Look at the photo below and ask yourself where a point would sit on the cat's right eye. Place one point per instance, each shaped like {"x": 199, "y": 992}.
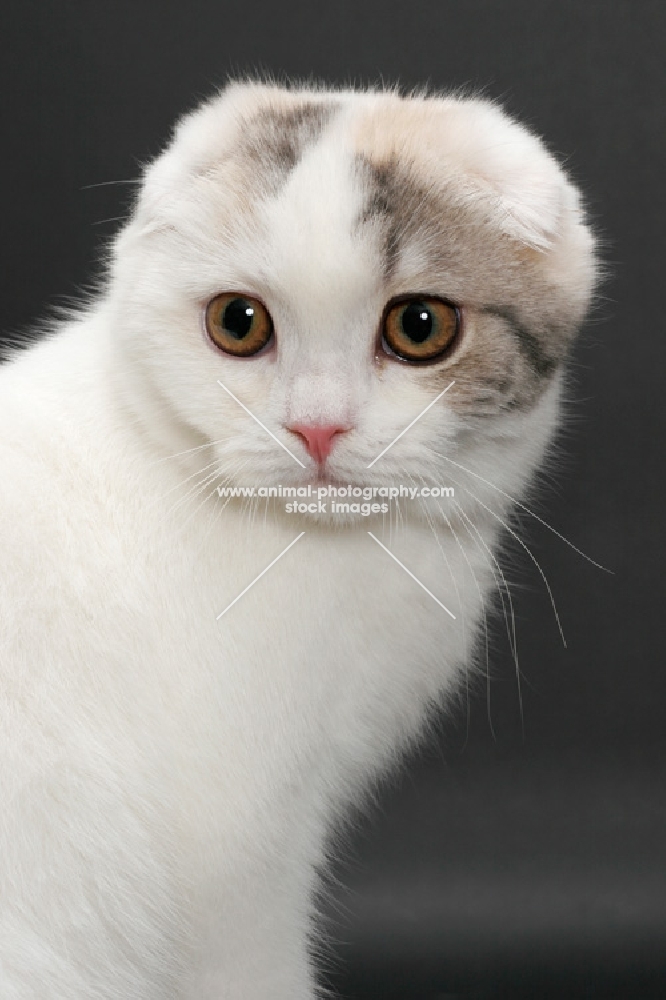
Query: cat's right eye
{"x": 238, "y": 324}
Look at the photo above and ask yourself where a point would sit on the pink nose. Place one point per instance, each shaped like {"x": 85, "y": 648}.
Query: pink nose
{"x": 318, "y": 438}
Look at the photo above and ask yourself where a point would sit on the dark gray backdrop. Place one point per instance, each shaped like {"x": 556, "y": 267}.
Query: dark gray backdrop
{"x": 502, "y": 862}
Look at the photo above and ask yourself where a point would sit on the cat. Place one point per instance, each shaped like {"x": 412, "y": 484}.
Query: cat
{"x": 315, "y": 288}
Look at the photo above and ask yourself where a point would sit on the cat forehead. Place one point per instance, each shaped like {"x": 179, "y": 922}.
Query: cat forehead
{"x": 270, "y": 128}
{"x": 401, "y": 151}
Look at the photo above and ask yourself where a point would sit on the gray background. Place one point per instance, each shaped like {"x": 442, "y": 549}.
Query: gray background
{"x": 504, "y": 861}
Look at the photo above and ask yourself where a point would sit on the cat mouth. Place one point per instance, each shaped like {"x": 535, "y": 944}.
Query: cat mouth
{"x": 324, "y": 477}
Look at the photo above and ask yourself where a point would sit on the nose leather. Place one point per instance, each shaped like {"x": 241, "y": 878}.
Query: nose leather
{"x": 318, "y": 438}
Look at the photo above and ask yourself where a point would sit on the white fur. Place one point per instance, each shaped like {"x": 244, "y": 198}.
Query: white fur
{"x": 168, "y": 780}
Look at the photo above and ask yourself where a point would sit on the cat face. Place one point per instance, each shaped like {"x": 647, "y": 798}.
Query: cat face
{"x": 336, "y": 261}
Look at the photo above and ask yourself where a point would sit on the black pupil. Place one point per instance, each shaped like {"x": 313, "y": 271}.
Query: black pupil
{"x": 417, "y": 322}
{"x": 238, "y": 318}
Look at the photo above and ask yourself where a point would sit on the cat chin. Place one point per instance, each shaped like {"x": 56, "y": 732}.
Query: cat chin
{"x": 329, "y": 522}
{"x": 342, "y": 513}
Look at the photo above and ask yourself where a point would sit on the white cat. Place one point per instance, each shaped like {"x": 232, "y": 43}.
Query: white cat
{"x": 172, "y": 758}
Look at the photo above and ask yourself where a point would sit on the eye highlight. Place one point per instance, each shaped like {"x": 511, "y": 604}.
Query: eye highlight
{"x": 238, "y": 324}
{"x": 420, "y": 328}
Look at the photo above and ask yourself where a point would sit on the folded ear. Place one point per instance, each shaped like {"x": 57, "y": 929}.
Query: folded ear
{"x": 199, "y": 139}
{"x": 532, "y": 204}
{"x": 513, "y": 173}
{"x": 208, "y": 137}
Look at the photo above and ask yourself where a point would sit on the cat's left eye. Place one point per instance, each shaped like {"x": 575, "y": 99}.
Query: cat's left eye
{"x": 238, "y": 324}
{"x": 420, "y": 329}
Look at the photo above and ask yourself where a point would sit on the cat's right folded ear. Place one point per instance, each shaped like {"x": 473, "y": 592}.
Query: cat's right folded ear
{"x": 201, "y": 139}
{"x": 198, "y": 138}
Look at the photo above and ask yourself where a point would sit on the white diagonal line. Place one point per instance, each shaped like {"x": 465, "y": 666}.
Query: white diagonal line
{"x": 408, "y": 426}
{"x": 259, "y": 577}
{"x": 409, "y": 573}
{"x": 263, "y": 426}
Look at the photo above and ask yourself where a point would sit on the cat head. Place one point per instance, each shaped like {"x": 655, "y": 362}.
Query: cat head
{"x": 336, "y": 260}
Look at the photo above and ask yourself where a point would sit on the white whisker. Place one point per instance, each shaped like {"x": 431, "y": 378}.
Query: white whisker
{"x": 527, "y": 549}
{"x": 485, "y": 616}
{"x": 500, "y": 581}
{"x": 100, "y": 184}
{"x": 524, "y": 507}
{"x": 461, "y": 609}
{"x": 512, "y": 632}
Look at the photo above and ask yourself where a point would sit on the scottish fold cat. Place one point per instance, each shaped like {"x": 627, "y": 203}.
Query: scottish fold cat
{"x": 350, "y": 291}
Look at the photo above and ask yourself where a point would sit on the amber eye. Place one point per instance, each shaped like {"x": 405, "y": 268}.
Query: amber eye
{"x": 420, "y": 329}
{"x": 238, "y": 324}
